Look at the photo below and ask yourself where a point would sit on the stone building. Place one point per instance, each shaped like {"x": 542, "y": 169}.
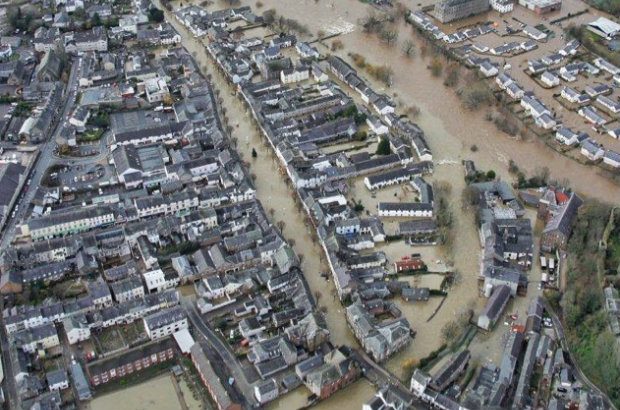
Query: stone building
{"x": 450, "y": 10}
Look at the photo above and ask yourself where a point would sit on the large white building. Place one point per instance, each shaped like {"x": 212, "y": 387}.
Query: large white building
{"x": 156, "y": 90}
{"x": 95, "y": 39}
{"x": 165, "y": 322}
{"x": 156, "y": 281}
{"x": 612, "y": 158}
{"x": 604, "y": 27}
{"x": 541, "y": 6}
{"x": 77, "y": 330}
{"x": 294, "y": 75}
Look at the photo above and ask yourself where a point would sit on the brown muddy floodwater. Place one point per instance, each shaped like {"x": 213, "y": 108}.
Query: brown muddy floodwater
{"x": 450, "y": 130}
{"x": 157, "y": 393}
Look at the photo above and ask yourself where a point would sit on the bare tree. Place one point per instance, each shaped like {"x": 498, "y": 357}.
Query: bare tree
{"x": 389, "y": 36}
{"x": 281, "y": 225}
{"x": 450, "y": 331}
{"x": 372, "y": 23}
{"x": 408, "y": 48}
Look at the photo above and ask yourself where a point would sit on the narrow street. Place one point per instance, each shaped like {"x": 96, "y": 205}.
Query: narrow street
{"x": 46, "y": 157}
{"x": 228, "y": 358}
{"x": 43, "y": 162}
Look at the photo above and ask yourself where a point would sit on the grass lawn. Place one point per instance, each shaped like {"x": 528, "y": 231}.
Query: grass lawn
{"x": 91, "y": 135}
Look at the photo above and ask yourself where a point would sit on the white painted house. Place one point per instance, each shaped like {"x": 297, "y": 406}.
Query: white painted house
{"x": 550, "y": 79}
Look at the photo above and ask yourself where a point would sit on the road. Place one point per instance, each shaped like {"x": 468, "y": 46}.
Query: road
{"x": 380, "y": 377}
{"x": 9, "y": 385}
{"x": 222, "y": 349}
{"x": 46, "y": 157}
{"x": 559, "y": 329}
{"x": 67, "y": 357}
{"x": 42, "y": 163}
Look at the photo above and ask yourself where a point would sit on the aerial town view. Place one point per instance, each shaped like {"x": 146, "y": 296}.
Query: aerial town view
{"x": 293, "y": 204}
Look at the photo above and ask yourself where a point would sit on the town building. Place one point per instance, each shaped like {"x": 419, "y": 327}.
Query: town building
{"x": 57, "y": 380}
{"x": 211, "y": 381}
{"x": 541, "y": 6}
{"x": 337, "y": 371}
{"x": 407, "y": 264}
{"x": 494, "y": 308}
{"x": 164, "y": 323}
{"x": 559, "y": 227}
{"x": 41, "y": 337}
{"x": 266, "y": 391}
{"x": 405, "y": 209}
{"x": 502, "y": 6}
{"x": 132, "y": 361}
{"x": 61, "y": 224}
{"x": 77, "y": 328}
{"x": 451, "y": 10}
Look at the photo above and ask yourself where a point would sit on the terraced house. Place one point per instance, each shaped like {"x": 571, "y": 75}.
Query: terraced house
{"x": 66, "y": 223}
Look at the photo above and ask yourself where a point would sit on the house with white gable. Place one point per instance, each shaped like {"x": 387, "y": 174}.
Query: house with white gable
{"x": 612, "y": 158}
{"x": 566, "y": 136}
{"x": 592, "y": 150}
{"x": 550, "y": 79}
{"x": 614, "y": 133}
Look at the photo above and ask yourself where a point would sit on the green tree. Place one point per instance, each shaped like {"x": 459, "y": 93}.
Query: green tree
{"x": 254, "y": 153}
{"x": 490, "y": 175}
{"x": 96, "y": 20}
{"x": 361, "y": 135}
{"x": 156, "y": 15}
{"x": 269, "y": 16}
{"x": 17, "y": 19}
{"x": 384, "y": 147}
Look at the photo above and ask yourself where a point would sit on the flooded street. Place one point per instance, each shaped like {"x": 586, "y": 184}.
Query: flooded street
{"x": 351, "y": 398}
{"x": 274, "y": 193}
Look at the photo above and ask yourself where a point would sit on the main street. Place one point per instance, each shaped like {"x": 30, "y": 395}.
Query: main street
{"x": 43, "y": 161}
{"x": 217, "y": 345}
{"x": 46, "y": 156}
